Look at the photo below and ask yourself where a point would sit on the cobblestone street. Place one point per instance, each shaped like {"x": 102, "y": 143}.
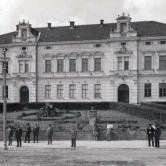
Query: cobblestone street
{"x": 87, "y": 153}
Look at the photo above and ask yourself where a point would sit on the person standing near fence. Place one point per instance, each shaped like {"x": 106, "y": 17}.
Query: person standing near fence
{"x": 73, "y": 137}
{"x": 28, "y": 133}
{"x": 18, "y": 135}
{"x": 36, "y": 133}
{"x": 10, "y": 135}
{"x": 150, "y": 134}
{"x": 157, "y": 136}
{"x": 49, "y": 134}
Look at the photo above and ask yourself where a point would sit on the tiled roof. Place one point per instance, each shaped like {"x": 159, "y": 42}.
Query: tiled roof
{"x": 90, "y": 32}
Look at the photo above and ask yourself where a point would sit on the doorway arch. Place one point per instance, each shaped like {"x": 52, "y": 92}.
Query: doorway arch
{"x": 24, "y": 94}
{"x": 123, "y": 93}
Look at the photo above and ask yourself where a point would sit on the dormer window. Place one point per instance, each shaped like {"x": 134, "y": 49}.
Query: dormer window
{"x": 163, "y": 42}
{"x": 148, "y": 43}
{"x": 24, "y": 48}
{"x": 123, "y": 44}
{"x": 98, "y": 45}
{"x": 24, "y": 34}
{"x": 48, "y": 47}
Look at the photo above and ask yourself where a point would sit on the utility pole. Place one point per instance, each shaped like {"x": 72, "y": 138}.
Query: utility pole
{"x": 4, "y": 50}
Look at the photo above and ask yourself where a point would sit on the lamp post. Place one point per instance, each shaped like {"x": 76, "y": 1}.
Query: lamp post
{"x": 4, "y": 50}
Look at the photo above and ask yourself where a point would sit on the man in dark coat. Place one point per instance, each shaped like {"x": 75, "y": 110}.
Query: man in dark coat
{"x": 28, "y": 133}
{"x": 36, "y": 133}
{"x": 10, "y": 135}
{"x": 18, "y": 135}
{"x": 157, "y": 136}
{"x": 150, "y": 134}
{"x": 49, "y": 134}
{"x": 73, "y": 137}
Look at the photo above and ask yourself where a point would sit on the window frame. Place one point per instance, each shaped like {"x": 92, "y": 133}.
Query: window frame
{"x": 147, "y": 90}
{"x": 72, "y": 65}
{"x": 162, "y": 89}
{"x": 97, "y": 91}
{"x": 97, "y": 64}
{"x": 59, "y": 91}
{"x": 84, "y": 91}
{"x": 72, "y": 91}
{"x": 47, "y": 91}
{"x": 48, "y": 66}
{"x": 60, "y": 66}
{"x": 148, "y": 63}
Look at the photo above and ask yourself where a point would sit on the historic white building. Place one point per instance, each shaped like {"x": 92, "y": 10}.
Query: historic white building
{"x": 123, "y": 61}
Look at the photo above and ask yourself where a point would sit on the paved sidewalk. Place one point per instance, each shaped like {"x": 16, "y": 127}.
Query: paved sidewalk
{"x": 88, "y": 144}
{"x": 87, "y": 153}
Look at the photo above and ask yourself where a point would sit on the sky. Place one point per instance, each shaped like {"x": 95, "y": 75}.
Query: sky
{"x": 60, "y": 12}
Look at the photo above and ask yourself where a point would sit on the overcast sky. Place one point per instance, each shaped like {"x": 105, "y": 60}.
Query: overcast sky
{"x": 60, "y": 12}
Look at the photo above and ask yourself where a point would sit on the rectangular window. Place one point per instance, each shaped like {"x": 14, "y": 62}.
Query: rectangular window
{"x": 60, "y": 91}
{"x": 148, "y": 62}
{"x": 162, "y": 89}
{"x": 60, "y": 64}
{"x": 147, "y": 90}
{"x": 72, "y": 65}
{"x": 26, "y": 67}
{"x": 126, "y": 63}
{"x": 47, "y": 91}
{"x": 84, "y": 91}
{"x": 162, "y": 62}
{"x": 97, "y": 65}
{"x": 5, "y": 66}
{"x": 72, "y": 90}
{"x": 47, "y": 66}
{"x": 85, "y": 65}
{"x": 120, "y": 67}
{"x": 3, "y": 91}
{"x": 21, "y": 67}
{"x": 97, "y": 90}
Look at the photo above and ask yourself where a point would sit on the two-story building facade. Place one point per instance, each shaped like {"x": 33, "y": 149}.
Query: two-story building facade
{"x": 117, "y": 62}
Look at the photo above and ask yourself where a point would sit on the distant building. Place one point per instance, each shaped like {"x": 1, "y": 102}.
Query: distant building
{"x": 123, "y": 61}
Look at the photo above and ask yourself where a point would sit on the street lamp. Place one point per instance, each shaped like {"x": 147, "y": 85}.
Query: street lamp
{"x": 4, "y": 50}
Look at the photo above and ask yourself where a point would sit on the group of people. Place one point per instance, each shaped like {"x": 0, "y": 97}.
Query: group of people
{"x": 154, "y": 133}
{"x": 49, "y": 132}
{"x": 19, "y": 133}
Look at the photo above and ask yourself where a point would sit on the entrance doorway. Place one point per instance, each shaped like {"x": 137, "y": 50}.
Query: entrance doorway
{"x": 24, "y": 94}
{"x": 123, "y": 93}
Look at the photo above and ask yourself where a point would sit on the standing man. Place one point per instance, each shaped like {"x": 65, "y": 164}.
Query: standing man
{"x": 10, "y": 135}
{"x": 73, "y": 137}
{"x": 28, "y": 133}
{"x": 49, "y": 134}
{"x": 36, "y": 133}
{"x": 157, "y": 136}
{"x": 150, "y": 134}
{"x": 18, "y": 135}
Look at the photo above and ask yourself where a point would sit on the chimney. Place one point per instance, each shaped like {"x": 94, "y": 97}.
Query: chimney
{"x": 101, "y": 23}
{"x": 72, "y": 26}
{"x": 49, "y": 25}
